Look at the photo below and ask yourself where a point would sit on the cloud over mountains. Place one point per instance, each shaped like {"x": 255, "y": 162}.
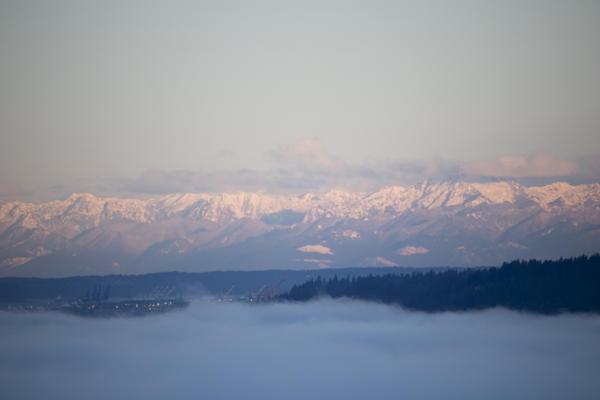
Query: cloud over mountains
{"x": 528, "y": 166}
{"x": 307, "y": 165}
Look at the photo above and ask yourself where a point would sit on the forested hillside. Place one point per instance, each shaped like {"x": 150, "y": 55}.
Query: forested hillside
{"x": 539, "y": 286}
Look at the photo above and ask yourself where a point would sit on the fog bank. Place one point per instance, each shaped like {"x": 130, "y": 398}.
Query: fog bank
{"x": 327, "y": 349}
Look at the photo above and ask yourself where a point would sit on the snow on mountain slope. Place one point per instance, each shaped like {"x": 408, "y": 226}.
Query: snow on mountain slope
{"x": 460, "y": 223}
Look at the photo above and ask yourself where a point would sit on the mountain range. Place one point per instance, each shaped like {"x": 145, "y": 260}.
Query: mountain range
{"x": 429, "y": 224}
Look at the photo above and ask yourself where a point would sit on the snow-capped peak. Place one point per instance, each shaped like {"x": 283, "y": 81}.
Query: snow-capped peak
{"x": 403, "y": 219}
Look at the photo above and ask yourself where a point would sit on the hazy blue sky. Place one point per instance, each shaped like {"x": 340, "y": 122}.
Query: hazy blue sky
{"x": 114, "y": 89}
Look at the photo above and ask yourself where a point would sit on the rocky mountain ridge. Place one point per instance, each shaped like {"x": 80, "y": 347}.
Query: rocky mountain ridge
{"x": 448, "y": 223}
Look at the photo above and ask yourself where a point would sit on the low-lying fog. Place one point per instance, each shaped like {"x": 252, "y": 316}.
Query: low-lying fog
{"x": 327, "y": 349}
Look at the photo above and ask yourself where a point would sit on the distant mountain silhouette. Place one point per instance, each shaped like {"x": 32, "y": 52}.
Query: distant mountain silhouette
{"x": 431, "y": 224}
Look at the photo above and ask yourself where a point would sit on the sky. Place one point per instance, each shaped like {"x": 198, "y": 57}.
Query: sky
{"x": 153, "y": 96}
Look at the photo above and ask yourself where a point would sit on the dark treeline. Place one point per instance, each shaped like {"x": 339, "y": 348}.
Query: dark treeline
{"x": 169, "y": 284}
{"x": 538, "y": 286}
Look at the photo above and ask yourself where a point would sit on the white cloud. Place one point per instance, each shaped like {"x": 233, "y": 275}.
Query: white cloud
{"x": 348, "y": 233}
{"x": 306, "y": 166}
{"x": 385, "y": 262}
{"x": 413, "y": 250}
{"x": 523, "y": 166}
{"x": 315, "y": 248}
{"x": 308, "y": 155}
